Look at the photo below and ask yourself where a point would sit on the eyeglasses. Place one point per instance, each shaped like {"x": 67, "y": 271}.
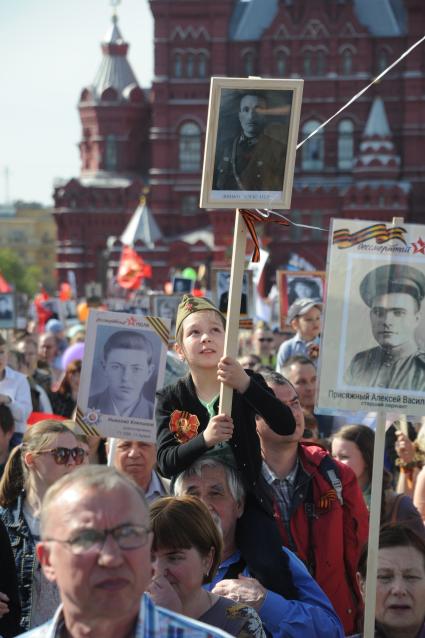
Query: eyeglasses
{"x": 61, "y": 454}
{"x": 265, "y": 339}
{"x": 92, "y": 541}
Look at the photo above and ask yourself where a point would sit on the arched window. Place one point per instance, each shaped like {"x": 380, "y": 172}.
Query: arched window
{"x": 111, "y": 153}
{"x": 320, "y": 63}
{"x": 190, "y": 147}
{"x": 307, "y": 64}
{"x": 190, "y": 65}
{"x": 177, "y": 66}
{"x": 248, "y": 63}
{"x": 347, "y": 62}
{"x": 313, "y": 151}
{"x": 202, "y": 65}
{"x": 345, "y": 144}
{"x": 281, "y": 64}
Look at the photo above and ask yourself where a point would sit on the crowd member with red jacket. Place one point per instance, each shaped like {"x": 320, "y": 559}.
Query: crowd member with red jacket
{"x": 318, "y": 504}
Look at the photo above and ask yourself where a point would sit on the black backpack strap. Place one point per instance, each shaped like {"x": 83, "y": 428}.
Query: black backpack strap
{"x": 330, "y": 471}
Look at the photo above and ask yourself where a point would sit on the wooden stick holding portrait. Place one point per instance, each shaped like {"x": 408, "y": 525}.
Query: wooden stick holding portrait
{"x": 249, "y": 162}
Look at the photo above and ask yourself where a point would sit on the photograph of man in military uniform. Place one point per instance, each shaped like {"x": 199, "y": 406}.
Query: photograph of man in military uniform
{"x": 394, "y": 295}
{"x": 252, "y": 140}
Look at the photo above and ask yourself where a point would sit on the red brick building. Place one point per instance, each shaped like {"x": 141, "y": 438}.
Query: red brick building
{"x": 366, "y": 163}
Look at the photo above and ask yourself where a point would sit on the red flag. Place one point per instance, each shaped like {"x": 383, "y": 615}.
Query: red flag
{"x": 147, "y": 271}
{"x": 43, "y": 313}
{"x": 65, "y": 291}
{"x": 4, "y": 286}
{"x": 131, "y": 269}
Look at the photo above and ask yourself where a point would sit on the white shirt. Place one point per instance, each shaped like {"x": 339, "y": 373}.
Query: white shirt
{"x": 15, "y": 385}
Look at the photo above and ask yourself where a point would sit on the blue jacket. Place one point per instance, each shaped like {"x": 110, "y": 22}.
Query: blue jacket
{"x": 311, "y": 616}
{"x": 23, "y": 547}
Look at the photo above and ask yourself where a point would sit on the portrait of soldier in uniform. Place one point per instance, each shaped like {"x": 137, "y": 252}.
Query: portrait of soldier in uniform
{"x": 394, "y": 294}
{"x": 252, "y": 158}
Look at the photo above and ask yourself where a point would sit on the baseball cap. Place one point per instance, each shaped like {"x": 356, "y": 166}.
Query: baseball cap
{"x": 55, "y": 326}
{"x": 301, "y": 306}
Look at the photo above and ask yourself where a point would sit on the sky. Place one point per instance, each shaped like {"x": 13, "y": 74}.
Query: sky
{"x": 50, "y": 50}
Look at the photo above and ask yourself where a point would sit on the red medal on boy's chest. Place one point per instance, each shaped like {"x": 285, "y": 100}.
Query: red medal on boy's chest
{"x": 184, "y": 425}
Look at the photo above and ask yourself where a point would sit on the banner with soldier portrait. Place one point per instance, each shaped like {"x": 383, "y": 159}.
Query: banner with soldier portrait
{"x": 372, "y": 353}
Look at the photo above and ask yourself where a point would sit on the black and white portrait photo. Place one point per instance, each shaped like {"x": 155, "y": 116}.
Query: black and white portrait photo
{"x": 372, "y": 352}
{"x": 165, "y": 306}
{"x": 251, "y": 148}
{"x": 182, "y": 285}
{"x": 7, "y": 310}
{"x": 221, "y": 286}
{"x": 123, "y": 367}
{"x": 250, "y": 139}
{"x": 298, "y": 284}
{"x": 393, "y": 295}
{"x": 304, "y": 287}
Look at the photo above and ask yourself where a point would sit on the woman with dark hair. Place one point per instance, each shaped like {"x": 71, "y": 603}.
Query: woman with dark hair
{"x": 400, "y": 590}
{"x": 353, "y": 445}
{"x": 64, "y": 399}
{"x": 48, "y": 451}
{"x": 187, "y": 548}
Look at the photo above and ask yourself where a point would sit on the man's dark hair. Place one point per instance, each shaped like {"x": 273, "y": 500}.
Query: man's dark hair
{"x": 128, "y": 340}
{"x": 394, "y": 536}
{"x": 298, "y": 358}
{"x": 273, "y": 377}
{"x": 7, "y": 422}
{"x": 261, "y": 96}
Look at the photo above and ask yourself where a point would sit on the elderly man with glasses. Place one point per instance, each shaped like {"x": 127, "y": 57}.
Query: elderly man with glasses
{"x": 96, "y": 546}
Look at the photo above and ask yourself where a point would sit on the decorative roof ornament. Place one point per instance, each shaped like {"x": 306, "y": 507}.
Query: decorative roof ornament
{"x": 377, "y": 157}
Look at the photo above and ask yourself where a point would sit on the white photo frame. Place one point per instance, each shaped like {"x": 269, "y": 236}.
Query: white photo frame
{"x": 372, "y": 353}
{"x": 123, "y": 367}
{"x": 241, "y": 173}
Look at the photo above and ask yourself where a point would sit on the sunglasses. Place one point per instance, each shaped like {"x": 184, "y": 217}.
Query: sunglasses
{"x": 61, "y": 455}
{"x": 266, "y": 339}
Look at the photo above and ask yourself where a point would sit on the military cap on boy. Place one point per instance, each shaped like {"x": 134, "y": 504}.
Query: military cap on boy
{"x": 301, "y": 306}
{"x": 189, "y": 305}
{"x": 393, "y": 278}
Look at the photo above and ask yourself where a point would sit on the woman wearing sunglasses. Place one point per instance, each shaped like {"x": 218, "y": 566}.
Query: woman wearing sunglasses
{"x": 48, "y": 451}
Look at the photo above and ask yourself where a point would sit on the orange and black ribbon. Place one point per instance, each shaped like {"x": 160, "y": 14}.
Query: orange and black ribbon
{"x": 381, "y": 233}
{"x": 252, "y": 216}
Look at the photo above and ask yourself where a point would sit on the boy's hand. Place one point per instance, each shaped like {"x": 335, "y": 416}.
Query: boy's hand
{"x": 230, "y": 372}
{"x": 219, "y": 429}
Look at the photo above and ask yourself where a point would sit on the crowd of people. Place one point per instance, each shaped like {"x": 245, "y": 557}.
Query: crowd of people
{"x": 253, "y": 523}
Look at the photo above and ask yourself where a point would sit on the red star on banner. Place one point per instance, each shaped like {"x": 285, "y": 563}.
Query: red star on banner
{"x": 418, "y": 247}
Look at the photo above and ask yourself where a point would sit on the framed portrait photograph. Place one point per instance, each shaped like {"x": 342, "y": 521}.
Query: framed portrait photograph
{"x": 220, "y": 285}
{"x": 7, "y": 310}
{"x": 250, "y": 146}
{"x": 298, "y": 284}
{"x": 372, "y": 354}
{"x": 123, "y": 367}
{"x": 165, "y": 306}
{"x": 182, "y": 285}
